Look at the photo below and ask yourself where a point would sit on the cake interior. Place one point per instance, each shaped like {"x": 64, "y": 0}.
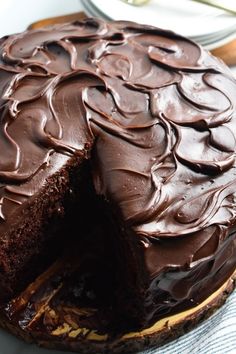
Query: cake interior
{"x": 77, "y": 235}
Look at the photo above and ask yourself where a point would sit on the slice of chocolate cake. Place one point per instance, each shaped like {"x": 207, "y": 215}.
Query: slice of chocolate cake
{"x": 118, "y": 163}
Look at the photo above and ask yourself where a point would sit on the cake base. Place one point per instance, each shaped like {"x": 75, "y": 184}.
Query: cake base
{"x": 37, "y": 318}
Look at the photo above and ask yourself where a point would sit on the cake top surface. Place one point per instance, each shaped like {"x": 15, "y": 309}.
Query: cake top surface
{"x": 157, "y": 109}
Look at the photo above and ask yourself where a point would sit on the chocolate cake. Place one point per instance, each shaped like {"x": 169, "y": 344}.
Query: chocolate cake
{"x": 117, "y": 182}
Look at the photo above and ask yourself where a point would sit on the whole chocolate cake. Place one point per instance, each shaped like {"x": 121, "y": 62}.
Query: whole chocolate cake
{"x": 117, "y": 182}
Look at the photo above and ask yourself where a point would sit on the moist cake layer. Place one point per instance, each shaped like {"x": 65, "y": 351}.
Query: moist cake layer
{"x": 155, "y": 115}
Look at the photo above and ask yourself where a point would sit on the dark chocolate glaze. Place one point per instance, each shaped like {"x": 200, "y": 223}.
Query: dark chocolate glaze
{"x": 159, "y": 112}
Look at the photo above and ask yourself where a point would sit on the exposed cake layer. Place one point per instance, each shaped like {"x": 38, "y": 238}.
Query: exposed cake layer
{"x": 157, "y": 115}
{"x": 34, "y": 238}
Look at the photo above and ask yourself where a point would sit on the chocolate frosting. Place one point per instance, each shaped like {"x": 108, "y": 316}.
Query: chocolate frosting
{"x": 159, "y": 114}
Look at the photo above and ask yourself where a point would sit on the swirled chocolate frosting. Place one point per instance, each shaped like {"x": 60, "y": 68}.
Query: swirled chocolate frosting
{"x": 157, "y": 115}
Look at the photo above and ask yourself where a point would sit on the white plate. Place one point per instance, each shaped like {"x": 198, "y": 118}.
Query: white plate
{"x": 188, "y": 18}
{"x": 210, "y": 40}
{"x": 220, "y": 42}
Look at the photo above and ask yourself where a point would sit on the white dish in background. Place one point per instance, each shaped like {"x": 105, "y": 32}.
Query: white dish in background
{"x": 190, "y": 19}
{"x": 206, "y": 25}
{"x": 219, "y": 42}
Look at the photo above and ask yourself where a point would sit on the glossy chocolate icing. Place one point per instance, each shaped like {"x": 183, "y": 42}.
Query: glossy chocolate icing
{"x": 159, "y": 114}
